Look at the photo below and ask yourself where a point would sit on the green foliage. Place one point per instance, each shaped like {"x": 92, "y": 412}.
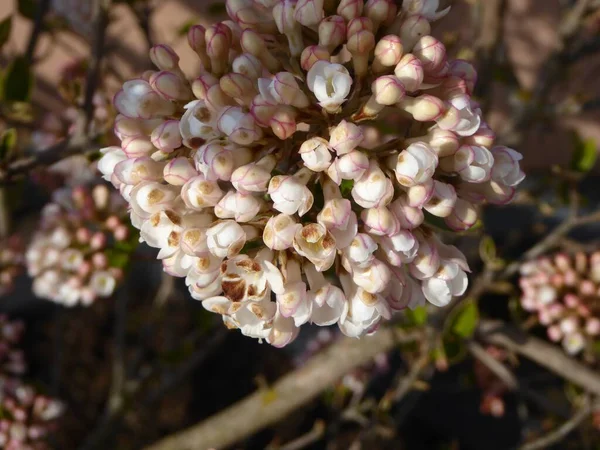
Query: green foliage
{"x": 8, "y": 143}
{"x": 18, "y": 81}
{"x": 5, "y": 28}
{"x": 417, "y": 316}
{"x": 346, "y": 187}
{"x": 585, "y": 154}
{"x": 464, "y": 319}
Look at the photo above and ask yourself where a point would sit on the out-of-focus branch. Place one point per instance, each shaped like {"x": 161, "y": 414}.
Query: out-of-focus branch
{"x": 542, "y": 353}
{"x": 562, "y": 431}
{"x": 38, "y": 26}
{"x": 297, "y": 388}
{"x": 495, "y": 366}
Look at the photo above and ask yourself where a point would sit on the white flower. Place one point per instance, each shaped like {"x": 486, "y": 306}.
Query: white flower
{"x": 199, "y": 193}
{"x": 238, "y": 206}
{"x": 330, "y": 83}
{"x": 239, "y": 126}
{"x": 374, "y": 278}
{"x": 425, "y": 8}
{"x": 162, "y": 230}
{"x": 450, "y": 280}
{"x": 460, "y": 117}
{"x": 573, "y": 343}
{"x": 345, "y": 137}
{"x": 103, "y": 283}
{"x": 315, "y": 243}
{"x": 289, "y": 195}
{"x": 197, "y": 125}
{"x": 360, "y": 252}
{"x": 443, "y": 200}
{"x": 337, "y": 216}
{"x": 350, "y": 166}
{"x": 399, "y": 248}
{"x": 279, "y": 232}
{"x": 111, "y": 156}
{"x": 506, "y": 168}
{"x": 328, "y": 302}
{"x": 137, "y": 99}
{"x": 373, "y": 189}
{"x": 315, "y": 154}
{"x": 473, "y": 163}
{"x": 415, "y": 165}
{"x": 226, "y": 238}
{"x": 243, "y": 280}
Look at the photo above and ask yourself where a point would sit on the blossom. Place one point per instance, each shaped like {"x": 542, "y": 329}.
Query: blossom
{"x": 330, "y": 83}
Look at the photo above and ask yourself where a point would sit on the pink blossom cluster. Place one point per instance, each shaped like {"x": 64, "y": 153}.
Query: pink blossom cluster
{"x": 75, "y": 256}
{"x": 564, "y": 292}
{"x": 268, "y": 183}
{"x": 27, "y": 417}
{"x": 11, "y": 263}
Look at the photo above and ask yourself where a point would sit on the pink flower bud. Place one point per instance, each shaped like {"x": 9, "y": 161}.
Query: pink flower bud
{"x": 135, "y": 147}
{"x": 309, "y": 12}
{"x": 239, "y": 126}
{"x": 458, "y": 116}
{"x": 197, "y": 42}
{"x": 98, "y": 241}
{"x": 424, "y": 108}
{"x": 241, "y": 207}
{"x": 83, "y": 235}
{"x": 358, "y": 24}
{"x": 388, "y": 53}
{"x": 463, "y": 216}
{"x": 387, "y": 90}
{"x": 427, "y": 261}
{"x": 214, "y": 162}
{"x": 164, "y": 57}
{"x": 335, "y": 214}
{"x": 198, "y": 193}
{"x": 279, "y": 232}
{"x": 415, "y": 165}
{"x": 216, "y": 99}
{"x": 248, "y": 65}
{"x": 465, "y": 71}
{"x": 380, "y": 221}
{"x": 285, "y": 90}
{"x": 349, "y": 9}
{"x": 166, "y": 137}
{"x": 350, "y": 166}
{"x": 554, "y": 333}
{"x": 413, "y": 29}
{"x": 443, "y": 142}
{"x": 138, "y": 100}
{"x": 374, "y": 278}
{"x": 380, "y": 11}
{"x": 345, "y": 137}
{"x": 592, "y": 326}
{"x": 289, "y": 195}
{"x": 312, "y": 54}
{"x": 121, "y": 233}
{"x": 202, "y": 84}
{"x": 179, "y": 171}
{"x": 332, "y": 32}
{"x": 506, "y": 169}
{"x": 420, "y": 194}
{"x": 410, "y": 72}
{"x": 250, "y": 178}
{"x": 360, "y": 45}
{"x": 373, "y": 189}
{"x": 484, "y": 137}
{"x": 225, "y": 239}
{"x": 134, "y": 171}
{"x": 238, "y": 86}
{"x": 254, "y": 44}
{"x": 409, "y": 217}
{"x": 218, "y": 42}
{"x": 431, "y": 53}
{"x": 442, "y": 201}
{"x": 170, "y": 86}
{"x": 315, "y": 154}
{"x": 360, "y": 252}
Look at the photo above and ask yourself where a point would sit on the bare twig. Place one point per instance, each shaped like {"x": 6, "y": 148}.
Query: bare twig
{"x": 38, "y": 26}
{"x": 297, "y": 388}
{"x": 544, "y": 354}
{"x": 406, "y": 383}
{"x": 495, "y": 366}
{"x": 562, "y": 431}
{"x": 314, "y": 435}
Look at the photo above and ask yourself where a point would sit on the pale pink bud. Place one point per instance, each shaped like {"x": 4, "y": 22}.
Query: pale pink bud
{"x": 241, "y": 207}
{"x": 373, "y": 189}
{"x": 360, "y": 252}
{"x": 387, "y": 90}
{"x": 283, "y": 13}
{"x": 263, "y": 110}
{"x": 380, "y": 11}
{"x": 170, "y": 86}
{"x": 316, "y": 244}
{"x": 239, "y": 126}
{"x": 420, "y": 194}
{"x": 349, "y": 9}
{"x": 218, "y": 42}
{"x": 554, "y": 333}
{"x": 137, "y": 146}
{"x": 254, "y": 44}
{"x": 373, "y": 278}
{"x": 427, "y": 261}
{"x": 127, "y": 127}
{"x": 198, "y": 193}
{"x": 345, "y": 137}
{"x": 465, "y": 71}
{"x": 166, "y": 137}
{"x": 388, "y": 53}
{"x": 248, "y": 65}
{"x": 410, "y": 217}
{"x": 332, "y": 32}
{"x": 350, "y": 166}
{"x": 315, "y": 154}
{"x": 358, "y": 24}
{"x": 459, "y": 117}
{"x": 111, "y": 156}
{"x": 289, "y": 195}
{"x": 280, "y": 231}
{"x": 202, "y": 84}
{"x": 214, "y": 162}
{"x": 360, "y": 45}
{"x": 415, "y": 165}
{"x": 164, "y": 57}
{"x": 138, "y": 100}
{"x": 225, "y": 239}
{"x": 442, "y": 201}
{"x": 238, "y": 86}
{"x": 413, "y": 29}
{"x": 197, "y": 41}
{"x": 380, "y": 221}
{"x": 330, "y": 83}
{"x": 410, "y": 72}
{"x": 463, "y": 216}
{"x": 285, "y": 90}
{"x": 311, "y": 54}
{"x": 592, "y": 326}
{"x": 430, "y": 52}
{"x": 283, "y": 123}
{"x": 98, "y": 241}
{"x": 179, "y": 171}
{"x": 424, "y": 8}
{"x": 400, "y": 248}
{"x": 506, "y": 169}
{"x": 250, "y": 178}
{"x": 424, "y": 108}
{"x": 443, "y": 142}
{"x": 474, "y": 164}
{"x": 335, "y": 213}
{"x": 134, "y": 171}
{"x": 484, "y": 137}
{"x": 216, "y": 99}
{"x": 309, "y": 12}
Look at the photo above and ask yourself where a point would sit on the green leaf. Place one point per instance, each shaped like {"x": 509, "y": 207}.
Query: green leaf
{"x": 5, "y": 27}
{"x": 250, "y": 245}
{"x": 346, "y": 188}
{"x": 18, "y": 81}
{"x": 8, "y": 142}
{"x": 454, "y": 349}
{"x": 487, "y": 250}
{"x": 585, "y": 154}
{"x": 27, "y": 8}
{"x": 417, "y": 316}
{"x": 117, "y": 259}
{"x": 465, "y": 320}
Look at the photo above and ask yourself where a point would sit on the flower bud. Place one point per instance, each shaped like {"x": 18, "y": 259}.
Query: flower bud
{"x": 483, "y": 137}
{"x": 360, "y": 46}
{"x": 135, "y": 170}
{"x": 360, "y": 252}
{"x": 430, "y": 52}
{"x": 350, "y": 9}
{"x": 289, "y": 195}
{"x": 170, "y": 86}
{"x": 202, "y": 84}
{"x": 345, "y": 137}
{"x": 463, "y": 216}
{"x": 248, "y": 65}
{"x": 198, "y": 193}
{"x": 218, "y": 42}
{"x": 263, "y": 110}
{"x": 139, "y": 146}
{"x": 427, "y": 261}
{"x": 373, "y": 189}
{"x": 138, "y": 100}
{"x": 426, "y": 9}
{"x": 420, "y": 194}
{"x": 165, "y": 58}
{"x": 316, "y": 244}
{"x": 166, "y": 137}
{"x": 283, "y": 13}
{"x": 332, "y": 32}
{"x": 241, "y": 207}
{"x": 410, "y": 72}
{"x": 111, "y": 156}
{"x": 415, "y": 165}
{"x": 239, "y": 126}
{"x": 250, "y": 178}
{"x": 373, "y": 278}
{"x": 424, "y": 108}
{"x": 358, "y": 24}
{"x": 380, "y": 11}
{"x": 350, "y": 166}
{"x": 388, "y": 53}
{"x": 409, "y": 217}
{"x": 387, "y": 90}
{"x": 466, "y": 72}
{"x": 254, "y": 44}
{"x": 309, "y": 12}
{"x": 283, "y": 123}
{"x": 473, "y": 164}
{"x": 413, "y": 29}
{"x": 380, "y": 221}
{"x": 506, "y": 169}
{"x": 312, "y": 54}
{"x": 459, "y": 117}
{"x": 315, "y": 154}
{"x": 238, "y": 86}
{"x": 279, "y": 232}
{"x": 197, "y": 42}
{"x": 442, "y": 201}
{"x": 225, "y": 239}
{"x": 442, "y": 142}
{"x": 179, "y": 171}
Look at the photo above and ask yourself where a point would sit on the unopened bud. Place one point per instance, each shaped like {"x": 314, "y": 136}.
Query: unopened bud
{"x": 349, "y": 9}
{"x": 179, "y": 171}
{"x": 309, "y": 12}
{"x": 218, "y": 42}
{"x": 360, "y": 46}
{"x": 431, "y": 53}
{"x": 166, "y": 137}
{"x": 283, "y": 123}
{"x": 170, "y": 86}
{"x": 410, "y": 72}
{"x": 332, "y": 32}
{"x": 238, "y": 86}
{"x": 380, "y": 11}
{"x": 254, "y": 44}
{"x": 197, "y": 41}
{"x": 312, "y": 54}
{"x": 424, "y": 108}
{"x": 388, "y": 53}
{"x": 413, "y": 29}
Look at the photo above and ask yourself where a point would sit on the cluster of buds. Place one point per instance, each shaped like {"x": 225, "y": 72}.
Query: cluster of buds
{"x": 11, "y": 263}
{"x": 26, "y": 417}
{"x": 564, "y": 292}
{"x": 268, "y": 173}
{"x": 80, "y": 250}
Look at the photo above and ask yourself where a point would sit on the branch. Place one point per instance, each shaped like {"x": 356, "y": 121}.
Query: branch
{"x": 38, "y": 26}
{"x": 562, "y": 431}
{"x": 544, "y": 354}
{"x": 495, "y": 366}
{"x": 295, "y": 389}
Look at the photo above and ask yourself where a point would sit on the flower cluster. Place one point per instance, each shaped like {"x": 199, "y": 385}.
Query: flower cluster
{"x": 26, "y": 416}
{"x": 564, "y": 292}
{"x": 79, "y": 251}
{"x": 269, "y": 172}
{"x": 11, "y": 263}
